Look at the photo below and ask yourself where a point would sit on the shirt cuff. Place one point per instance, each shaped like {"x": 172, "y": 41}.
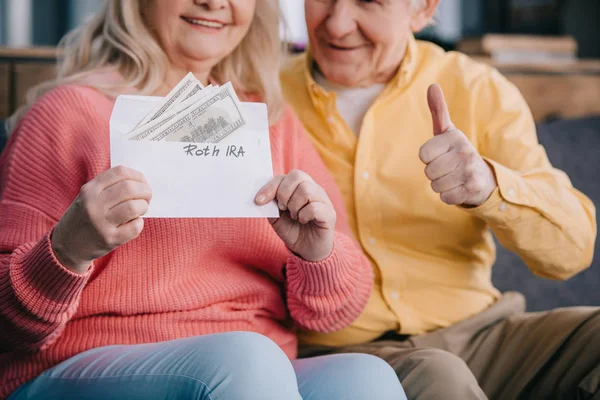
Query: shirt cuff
{"x": 507, "y": 200}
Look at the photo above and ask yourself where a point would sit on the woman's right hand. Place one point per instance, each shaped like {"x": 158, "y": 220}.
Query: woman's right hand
{"x": 105, "y": 215}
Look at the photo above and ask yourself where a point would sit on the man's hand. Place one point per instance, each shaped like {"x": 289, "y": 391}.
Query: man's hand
{"x": 456, "y": 170}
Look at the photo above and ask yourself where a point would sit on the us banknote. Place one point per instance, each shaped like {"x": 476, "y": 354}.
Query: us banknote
{"x": 207, "y": 116}
{"x": 187, "y": 87}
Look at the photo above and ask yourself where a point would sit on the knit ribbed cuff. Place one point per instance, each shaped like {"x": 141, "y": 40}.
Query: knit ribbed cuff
{"x": 328, "y": 295}
{"x": 41, "y": 281}
{"x": 338, "y": 272}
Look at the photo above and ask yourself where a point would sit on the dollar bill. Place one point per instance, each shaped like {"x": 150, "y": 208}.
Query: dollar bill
{"x": 200, "y": 118}
{"x": 141, "y": 132}
{"x": 189, "y": 84}
{"x": 191, "y": 91}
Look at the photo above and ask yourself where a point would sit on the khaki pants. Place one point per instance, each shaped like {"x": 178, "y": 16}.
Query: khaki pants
{"x": 502, "y": 353}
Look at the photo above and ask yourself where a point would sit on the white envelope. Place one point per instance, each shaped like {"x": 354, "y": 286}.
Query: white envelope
{"x": 188, "y": 185}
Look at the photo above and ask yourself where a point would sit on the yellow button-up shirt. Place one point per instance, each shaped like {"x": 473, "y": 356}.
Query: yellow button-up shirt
{"x": 433, "y": 261}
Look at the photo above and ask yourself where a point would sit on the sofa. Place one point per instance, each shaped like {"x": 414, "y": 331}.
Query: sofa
{"x": 571, "y": 146}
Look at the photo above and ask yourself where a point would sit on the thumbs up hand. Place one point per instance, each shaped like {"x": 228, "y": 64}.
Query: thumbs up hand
{"x": 456, "y": 170}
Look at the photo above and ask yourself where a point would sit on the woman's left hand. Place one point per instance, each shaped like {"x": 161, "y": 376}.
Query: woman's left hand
{"x": 307, "y": 218}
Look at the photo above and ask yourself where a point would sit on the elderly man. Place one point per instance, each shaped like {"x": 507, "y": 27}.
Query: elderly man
{"x": 422, "y": 200}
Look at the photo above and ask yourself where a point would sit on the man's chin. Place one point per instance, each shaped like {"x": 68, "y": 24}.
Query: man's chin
{"x": 342, "y": 75}
{"x": 343, "y": 78}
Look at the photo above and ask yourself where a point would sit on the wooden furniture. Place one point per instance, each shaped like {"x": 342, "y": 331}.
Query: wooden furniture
{"x": 521, "y": 48}
{"x": 21, "y": 69}
{"x": 555, "y": 83}
{"x": 553, "y": 90}
{"x": 558, "y": 90}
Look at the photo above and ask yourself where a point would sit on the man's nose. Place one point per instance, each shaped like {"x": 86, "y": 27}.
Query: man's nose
{"x": 341, "y": 20}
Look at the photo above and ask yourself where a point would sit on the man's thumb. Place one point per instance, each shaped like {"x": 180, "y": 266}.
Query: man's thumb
{"x": 439, "y": 110}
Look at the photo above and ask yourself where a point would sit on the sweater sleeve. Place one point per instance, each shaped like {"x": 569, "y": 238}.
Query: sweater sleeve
{"x": 41, "y": 172}
{"x": 328, "y": 295}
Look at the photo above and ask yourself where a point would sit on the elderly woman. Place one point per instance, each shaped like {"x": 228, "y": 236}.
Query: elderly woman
{"x": 422, "y": 201}
{"x": 97, "y": 303}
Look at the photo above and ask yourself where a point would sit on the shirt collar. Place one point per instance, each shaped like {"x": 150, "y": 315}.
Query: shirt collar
{"x": 315, "y": 90}
{"x": 408, "y": 65}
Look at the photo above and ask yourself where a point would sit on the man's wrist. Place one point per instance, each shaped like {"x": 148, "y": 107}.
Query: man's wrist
{"x": 491, "y": 186}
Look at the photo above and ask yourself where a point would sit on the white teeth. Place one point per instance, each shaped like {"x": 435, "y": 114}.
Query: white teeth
{"x": 201, "y": 22}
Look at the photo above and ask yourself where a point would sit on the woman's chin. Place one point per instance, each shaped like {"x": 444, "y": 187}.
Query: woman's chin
{"x": 196, "y": 54}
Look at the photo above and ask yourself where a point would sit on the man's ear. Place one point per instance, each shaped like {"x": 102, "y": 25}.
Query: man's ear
{"x": 422, "y": 15}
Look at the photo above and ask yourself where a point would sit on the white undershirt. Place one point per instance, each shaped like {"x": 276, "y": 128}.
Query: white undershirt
{"x": 351, "y": 103}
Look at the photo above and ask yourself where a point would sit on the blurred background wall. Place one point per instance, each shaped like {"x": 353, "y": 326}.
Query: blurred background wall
{"x": 459, "y": 19}
{"x": 44, "y": 22}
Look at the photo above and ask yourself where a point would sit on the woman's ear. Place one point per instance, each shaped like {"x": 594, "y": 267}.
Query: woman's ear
{"x": 422, "y": 15}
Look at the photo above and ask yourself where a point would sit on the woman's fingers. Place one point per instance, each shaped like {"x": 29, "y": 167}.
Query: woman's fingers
{"x": 127, "y": 211}
{"x": 129, "y": 231}
{"x": 306, "y": 192}
{"x": 268, "y": 192}
{"x": 117, "y": 174}
{"x": 282, "y": 188}
{"x": 321, "y": 214}
{"x": 289, "y": 185}
{"x": 125, "y": 190}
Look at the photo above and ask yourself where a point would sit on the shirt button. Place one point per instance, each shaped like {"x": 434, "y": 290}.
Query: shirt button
{"x": 365, "y": 175}
{"x": 511, "y": 192}
{"x": 395, "y": 295}
{"x": 372, "y": 240}
{"x": 502, "y": 206}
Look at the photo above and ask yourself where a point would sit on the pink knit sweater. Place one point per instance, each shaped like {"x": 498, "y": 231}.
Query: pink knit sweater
{"x": 179, "y": 278}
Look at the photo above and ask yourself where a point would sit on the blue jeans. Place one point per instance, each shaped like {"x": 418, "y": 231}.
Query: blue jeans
{"x": 225, "y": 366}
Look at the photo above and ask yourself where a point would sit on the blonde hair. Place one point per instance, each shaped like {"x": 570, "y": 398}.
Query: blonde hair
{"x": 117, "y": 39}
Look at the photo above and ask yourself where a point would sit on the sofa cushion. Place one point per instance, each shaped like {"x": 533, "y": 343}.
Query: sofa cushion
{"x": 2, "y": 135}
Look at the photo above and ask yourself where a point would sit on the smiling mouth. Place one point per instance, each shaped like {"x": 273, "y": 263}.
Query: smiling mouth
{"x": 204, "y": 23}
{"x": 334, "y": 47}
